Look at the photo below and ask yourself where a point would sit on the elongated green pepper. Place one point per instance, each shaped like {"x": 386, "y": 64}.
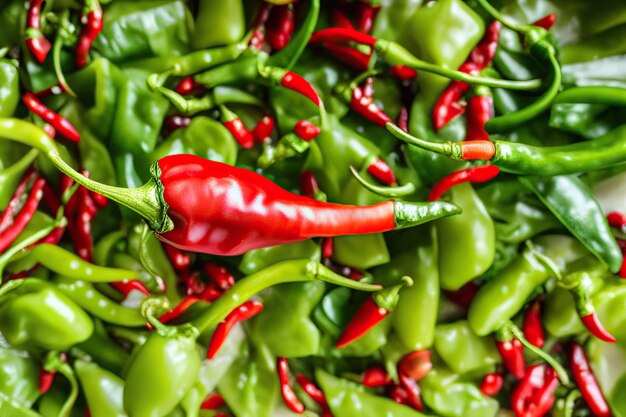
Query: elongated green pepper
{"x": 103, "y": 390}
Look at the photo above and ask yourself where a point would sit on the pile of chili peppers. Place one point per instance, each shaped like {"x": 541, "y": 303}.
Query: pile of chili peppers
{"x": 351, "y": 208}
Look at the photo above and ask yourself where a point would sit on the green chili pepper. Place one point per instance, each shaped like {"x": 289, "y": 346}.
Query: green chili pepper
{"x": 19, "y": 377}
{"x": 9, "y": 88}
{"x": 257, "y": 259}
{"x": 104, "y": 350}
{"x": 11, "y": 174}
{"x": 103, "y": 390}
{"x": 362, "y": 252}
{"x": 218, "y": 23}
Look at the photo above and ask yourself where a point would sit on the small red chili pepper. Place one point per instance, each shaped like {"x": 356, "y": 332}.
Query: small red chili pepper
{"x": 312, "y": 391}
{"x": 178, "y": 258}
{"x": 617, "y": 220}
{"x": 363, "y": 104}
{"x": 258, "y": 34}
{"x": 534, "y": 394}
{"x": 416, "y": 364}
{"x": 92, "y": 16}
{"x": 243, "y": 312}
{"x": 100, "y": 200}
{"x": 173, "y": 123}
{"x": 448, "y": 106}
{"x": 375, "y": 376}
{"x": 220, "y": 275}
{"x": 13, "y": 223}
{"x": 413, "y": 398}
{"x": 342, "y": 35}
{"x": 126, "y": 287}
{"x": 306, "y": 130}
{"x": 403, "y": 119}
{"x": 328, "y": 247}
{"x": 17, "y": 200}
{"x": 285, "y": 388}
{"x": 485, "y": 50}
{"x": 264, "y": 129}
{"x": 595, "y": 327}
{"x": 372, "y": 312}
{"x": 402, "y": 72}
{"x": 295, "y": 82}
{"x": 80, "y": 211}
{"x": 45, "y": 380}
{"x": 533, "y": 331}
{"x": 475, "y": 175}
{"x": 178, "y": 310}
{"x": 346, "y": 271}
{"x": 37, "y": 44}
{"x": 308, "y": 185}
{"x": 464, "y": 295}
{"x": 350, "y": 56}
{"x": 492, "y": 384}
{"x": 187, "y": 85}
{"x": 213, "y": 402}
{"x": 546, "y": 22}
{"x": 512, "y": 353}
{"x": 586, "y": 382}
{"x": 382, "y": 172}
{"x": 399, "y": 394}
{"x": 279, "y": 27}
{"x": 479, "y": 111}
{"x": 54, "y": 90}
{"x": 339, "y": 19}
{"x": 235, "y": 126}
{"x": 60, "y": 124}
{"x": 365, "y": 15}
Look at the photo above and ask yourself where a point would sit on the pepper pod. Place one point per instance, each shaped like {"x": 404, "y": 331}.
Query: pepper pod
{"x": 586, "y": 382}
{"x": 56, "y": 362}
{"x": 585, "y": 308}
{"x": 512, "y": 353}
{"x": 372, "y": 312}
{"x": 534, "y": 394}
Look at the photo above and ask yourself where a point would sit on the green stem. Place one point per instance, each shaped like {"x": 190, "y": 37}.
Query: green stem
{"x": 611, "y": 96}
{"x": 288, "y": 271}
{"x": 450, "y": 149}
{"x": 498, "y": 16}
{"x": 143, "y": 200}
{"x": 391, "y": 192}
{"x": 68, "y": 373}
{"x": 56, "y": 55}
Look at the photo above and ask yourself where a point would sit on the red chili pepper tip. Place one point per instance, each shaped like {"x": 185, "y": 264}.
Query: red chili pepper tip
{"x": 533, "y": 331}
{"x": 240, "y": 133}
{"x": 213, "y": 402}
{"x": 413, "y": 398}
{"x": 342, "y": 35}
{"x": 546, "y": 22}
{"x": 367, "y": 316}
{"x": 125, "y": 287}
{"x": 45, "y": 380}
{"x": 375, "y": 376}
{"x": 595, "y": 327}
{"x": 475, "y": 175}
{"x": 312, "y": 390}
{"x": 512, "y": 353}
{"x": 179, "y": 309}
{"x": 243, "y": 312}
{"x": 186, "y": 85}
{"x": 492, "y": 384}
{"x": 617, "y": 220}
{"x": 404, "y": 73}
{"x": 306, "y": 130}
{"x": 39, "y": 48}
{"x": 297, "y": 83}
{"x": 289, "y": 396}
{"x": 380, "y": 170}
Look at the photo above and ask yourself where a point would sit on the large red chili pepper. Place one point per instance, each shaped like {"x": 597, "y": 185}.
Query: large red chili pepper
{"x": 60, "y": 124}
{"x": 279, "y": 27}
{"x": 371, "y": 312}
{"x": 213, "y": 402}
{"x": 383, "y": 173}
{"x": 21, "y": 209}
{"x": 37, "y": 44}
{"x": 512, "y": 353}
{"x": 492, "y": 384}
{"x": 485, "y": 50}
{"x": 533, "y": 331}
{"x": 375, "y": 376}
{"x": 235, "y": 126}
{"x": 264, "y": 129}
{"x": 220, "y": 275}
{"x": 92, "y": 15}
{"x": 306, "y": 130}
{"x": 587, "y": 383}
{"x": 312, "y": 391}
{"x": 415, "y": 364}
{"x": 479, "y": 111}
{"x": 534, "y": 394}
{"x": 285, "y": 388}
{"x": 546, "y": 22}
{"x": 474, "y": 175}
{"x": 243, "y": 312}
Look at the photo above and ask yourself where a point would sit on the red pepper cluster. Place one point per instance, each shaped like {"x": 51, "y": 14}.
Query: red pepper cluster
{"x": 273, "y": 24}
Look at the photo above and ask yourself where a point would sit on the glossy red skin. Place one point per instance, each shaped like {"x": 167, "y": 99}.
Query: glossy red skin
{"x": 224, "y": 210}
{"x": 485, "y": 50}
{"x": 60, "y": 124}
{"x": 88, "y": 35}
{"x": 38, "y": 45}
{"x": 587, "y": 383}
{"x": 476, "y": 175}
{"x": 479, "y": 111}
{"x": 512, "y": 354}
{"x": 366, "y": 317}
{"x": 279, "y": 26}
{"x": 533, "y": 331}
{"x": 380, "y": 170}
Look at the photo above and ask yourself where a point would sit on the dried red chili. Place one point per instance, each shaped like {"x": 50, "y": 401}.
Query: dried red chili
{"x": 492, "y": 384}
{"x": 533, "y": 331}
{"x": 475, "y": 175}
{"x": 92, "y": 16}
{"x": 372, "y": 312}
{"x": 243, "y": 312}
{"x": 285, "y": 388}
{"x": 235, "y": 126}
{"x": 306, "y": 130}
{"x": 279, "y": 27}
{"x": 37, "y": 44}
{"x": 586, "y": 382}
{"x": 60, "y": 124}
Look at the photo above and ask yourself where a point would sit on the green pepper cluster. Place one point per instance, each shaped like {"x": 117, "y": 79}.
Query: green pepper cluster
{"x": 81, "y": 333}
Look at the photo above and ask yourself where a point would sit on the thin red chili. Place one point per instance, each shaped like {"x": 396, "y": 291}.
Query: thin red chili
{"x": 235, "y": 126}
{"x": 485, "y": 50}
{"x": 372, "y": 312}
{"x": 533, "y": 331}
{"x": 54, "y": 90}
{"x": 243, "y": 312}
{"x": 512, "y": 354}
{"x": 382, "y": 172}
{"x": 60, "y": 124}
{"x": 17, "y": 200}
{"x": 92, "y": 15}
{"x": 285, "y": 388}
{"x": 37, "y": 44}
{"x": 213, "y": 402}
{"x": 534, "y": 394}
{"x": 342, "y": 35}
{"x": 306, "y": 130}
{"x": 492, "y": 384}
{"x": 475, "y": 175}
{"x": 402, "y": 72}
{"x": 295, "y": 82}
{"x": 13, "y": 224}
{"x": 312, "y": 391}
{"x": 328, "y": 247}
{"x": 414, "y": 398}
{"x": 375, "y": 376}
{"x": 363, "y": 104}
{"x": 415, "y": 364}
{"x": 220, "y": 275}
{"x": 595, "y": 327}
{"x": 178, "y": 258}
{"x": 178, "y": 310}
{"x": 586, "y": 382}
{"x": 264, "y": 129}
{"x": 279, "y": 27}
{"x": 346, "y": 271}
{"x": 546, "y": 22}
{"x": 479, "y": 112}
{"x": 308, "y": 184}
{"x": 348, "y": 55}
{"x": 126, "y": 287}
{"x": 448, "y": 104}
{"x": 258, "y": 34}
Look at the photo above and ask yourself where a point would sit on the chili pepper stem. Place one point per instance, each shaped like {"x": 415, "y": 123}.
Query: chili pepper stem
{"x": 391, "y": 192}
{"x": 144, "y": 200}
{"x": 282, "y": 272}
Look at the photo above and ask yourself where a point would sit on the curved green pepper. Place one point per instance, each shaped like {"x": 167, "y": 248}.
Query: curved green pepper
{"x": 361, "y": 252}
{"x": 257, "y": 259}
{"x": 467, "y": 242}
{"x": 104, "y": 350}
{"x": 19, "y": 377}
{"x": 103, "y": 390}
{"x": 218, "y": 23}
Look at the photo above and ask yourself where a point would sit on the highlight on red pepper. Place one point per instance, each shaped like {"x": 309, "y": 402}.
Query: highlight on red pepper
{"x": 586, "y": 381}
{"x": 381, "y": 171}
{"x": 474, "y": 175}
{"x": 479, "y": 111}
{"x": 286, "y": 391}
{"x": 372, "y": 312}
{"x": 532, "y": 328}
{"x": 36, "y": 42}
{"x": 449, "y": 104}
{"x": 546, "y": 22}
{"x": 375, "y": 376}
{"x": 587, "y": 314}
{"x": 306, "y": 130}
{"x": 361, "y": 101}
{"x": 512, "y": 353}
{"x": 492, "y": 384}
{"x": 279, "y": 26}
{"x": 534, "y": 394}
{"x": 172, "y": 123}
{"x": 292, "y": 81}
{"x": 244, "y": 312}
{"x": 312, "y": 391}
{"x": 235, "y": 126}
{"x": 60, "y": 124}
{"x": 264, "y": 129}
{"x": 92, "y": 18}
